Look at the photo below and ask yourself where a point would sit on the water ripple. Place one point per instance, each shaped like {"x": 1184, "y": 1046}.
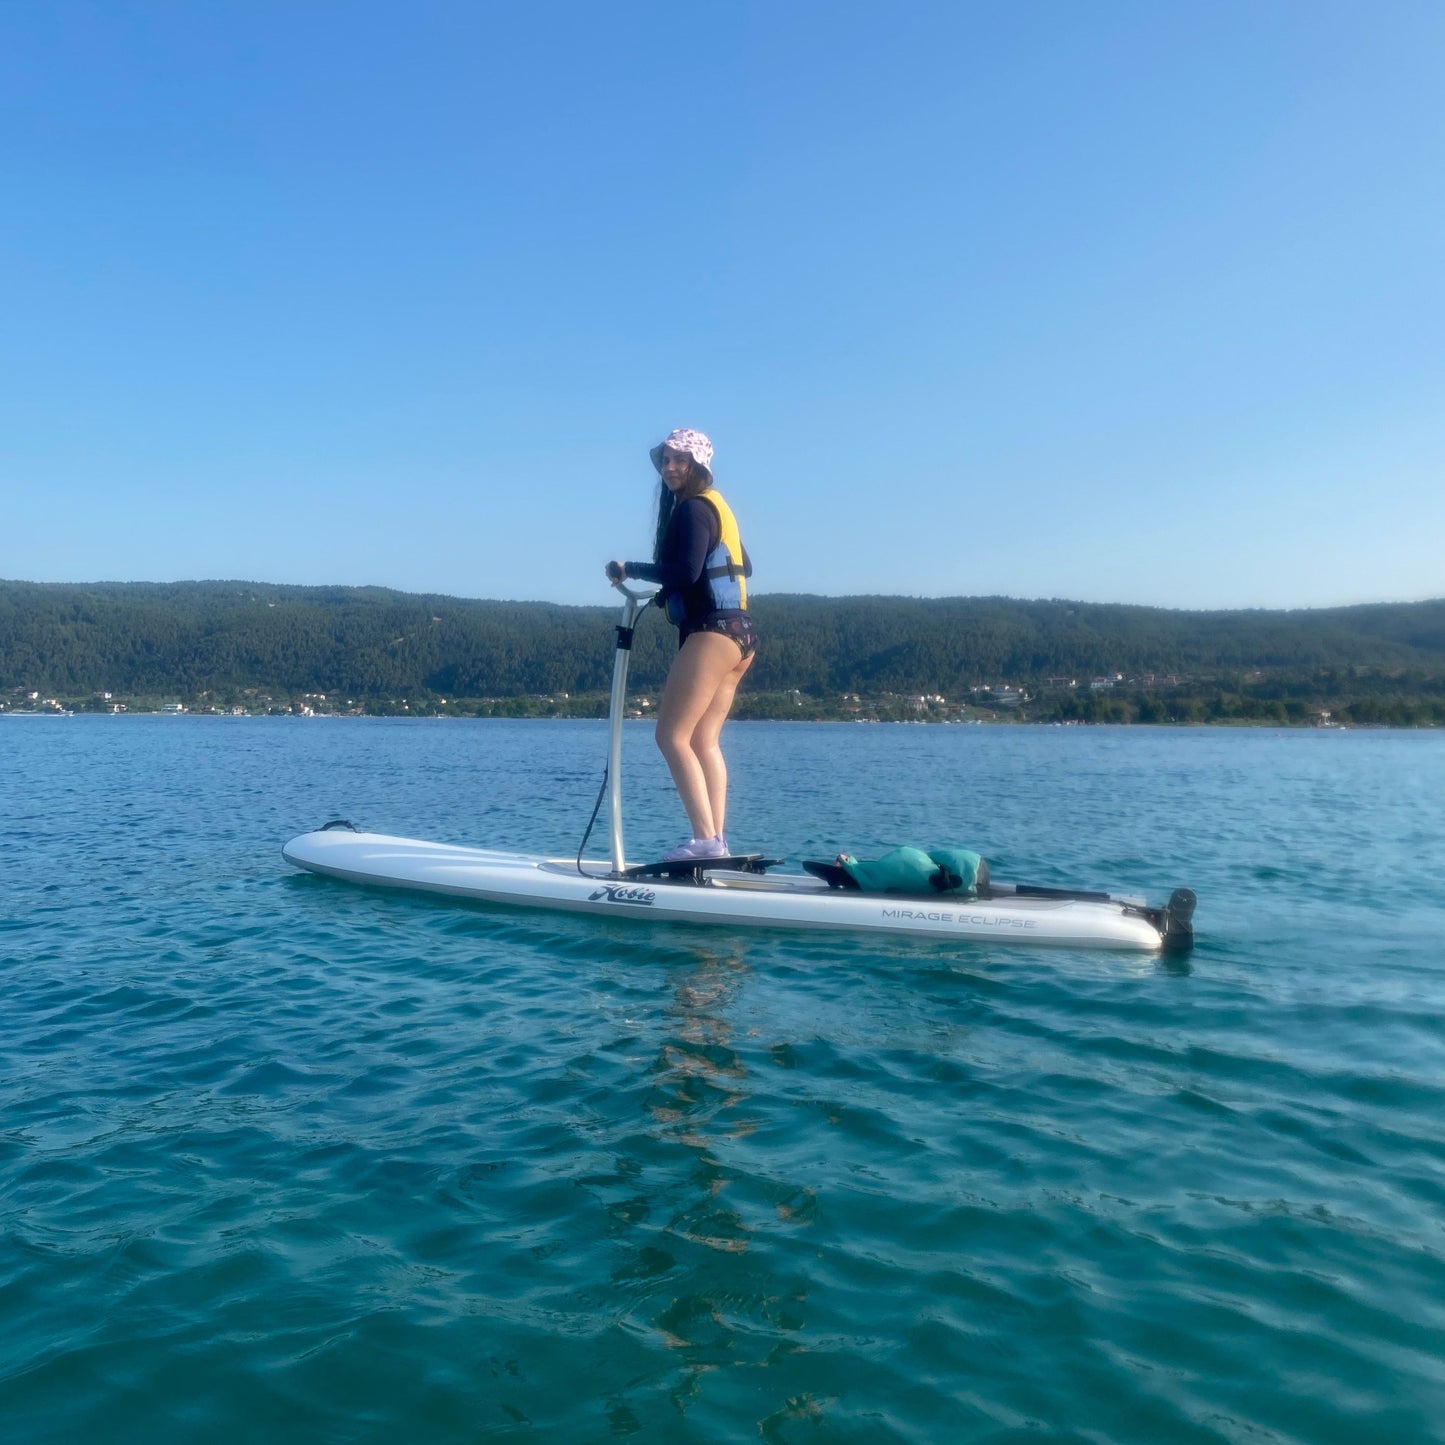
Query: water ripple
{"x": 284, "y": 1159}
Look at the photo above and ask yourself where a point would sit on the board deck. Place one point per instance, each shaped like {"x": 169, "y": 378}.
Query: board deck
{"x": 744, "y": 897}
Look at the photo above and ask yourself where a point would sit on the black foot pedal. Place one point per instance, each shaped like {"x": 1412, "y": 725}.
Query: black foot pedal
{"x": 697, "y": 868}
{"x": 834, "y": 876}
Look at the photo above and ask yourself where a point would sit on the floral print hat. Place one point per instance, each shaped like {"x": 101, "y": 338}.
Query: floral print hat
{"x": 684, "y": 439}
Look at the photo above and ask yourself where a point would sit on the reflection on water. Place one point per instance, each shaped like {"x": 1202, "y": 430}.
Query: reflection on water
{"x": 701, "y": 1228}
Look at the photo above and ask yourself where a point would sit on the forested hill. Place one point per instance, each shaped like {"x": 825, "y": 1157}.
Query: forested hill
{"x": 190, "y": 637}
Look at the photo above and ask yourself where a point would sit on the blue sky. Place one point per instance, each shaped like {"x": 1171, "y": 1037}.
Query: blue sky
{"x": 1138, "y": 302}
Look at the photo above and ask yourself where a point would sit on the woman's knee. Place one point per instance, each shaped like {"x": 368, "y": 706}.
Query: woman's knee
{"x": 670, "y": 738}
{"x": 705, "y": 743}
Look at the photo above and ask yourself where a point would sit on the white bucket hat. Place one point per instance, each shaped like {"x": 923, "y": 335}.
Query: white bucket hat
{"x": 684, "y": 439}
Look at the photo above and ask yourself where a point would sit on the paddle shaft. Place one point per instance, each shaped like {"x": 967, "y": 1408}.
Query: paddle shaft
{"x": 616, "y": 711}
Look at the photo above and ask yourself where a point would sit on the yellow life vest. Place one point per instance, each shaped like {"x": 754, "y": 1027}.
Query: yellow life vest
{"x": 724, "y": 568}
{"x": 722, "y": 571}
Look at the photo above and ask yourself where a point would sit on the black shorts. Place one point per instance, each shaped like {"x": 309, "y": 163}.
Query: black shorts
{"x": 739, "y": 627}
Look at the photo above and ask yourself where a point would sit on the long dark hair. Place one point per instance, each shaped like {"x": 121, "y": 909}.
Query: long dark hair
{"x": 698, "y": 481}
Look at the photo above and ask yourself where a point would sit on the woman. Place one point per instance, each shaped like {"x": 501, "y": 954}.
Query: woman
{"x": 701, "y": 565}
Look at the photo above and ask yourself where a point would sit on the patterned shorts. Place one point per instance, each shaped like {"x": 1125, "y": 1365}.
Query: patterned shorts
{"x": 740, "y": 629}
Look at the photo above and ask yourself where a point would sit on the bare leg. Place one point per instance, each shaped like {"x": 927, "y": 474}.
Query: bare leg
{"x": 705, "y": 743}
{"x": 702, "y": 670}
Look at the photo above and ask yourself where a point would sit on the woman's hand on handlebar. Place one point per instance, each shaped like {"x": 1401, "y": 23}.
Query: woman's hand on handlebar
{"x": 616, "y": 573}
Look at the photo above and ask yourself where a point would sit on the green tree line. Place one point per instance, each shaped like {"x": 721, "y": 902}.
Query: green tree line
{"x": 189, "y": 638}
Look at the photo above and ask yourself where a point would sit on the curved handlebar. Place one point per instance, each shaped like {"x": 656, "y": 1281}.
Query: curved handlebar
{"x": 637, "y": 594}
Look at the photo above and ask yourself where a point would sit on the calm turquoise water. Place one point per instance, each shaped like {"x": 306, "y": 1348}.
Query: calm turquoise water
{"x": 282, "y": 1159}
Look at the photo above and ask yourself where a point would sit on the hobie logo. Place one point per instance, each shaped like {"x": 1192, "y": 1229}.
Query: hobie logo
{"x": 623, "y": 893}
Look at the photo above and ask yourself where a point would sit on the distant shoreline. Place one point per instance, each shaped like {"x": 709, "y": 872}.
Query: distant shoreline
{"x": 1229, "y": 724}
{"x": 255, "y": 649}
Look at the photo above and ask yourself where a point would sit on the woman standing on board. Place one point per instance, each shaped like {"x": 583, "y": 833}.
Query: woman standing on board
{"x": 701, "y": 565}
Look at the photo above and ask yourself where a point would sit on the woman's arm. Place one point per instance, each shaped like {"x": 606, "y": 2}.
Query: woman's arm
{"x": 689, "y": 540}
